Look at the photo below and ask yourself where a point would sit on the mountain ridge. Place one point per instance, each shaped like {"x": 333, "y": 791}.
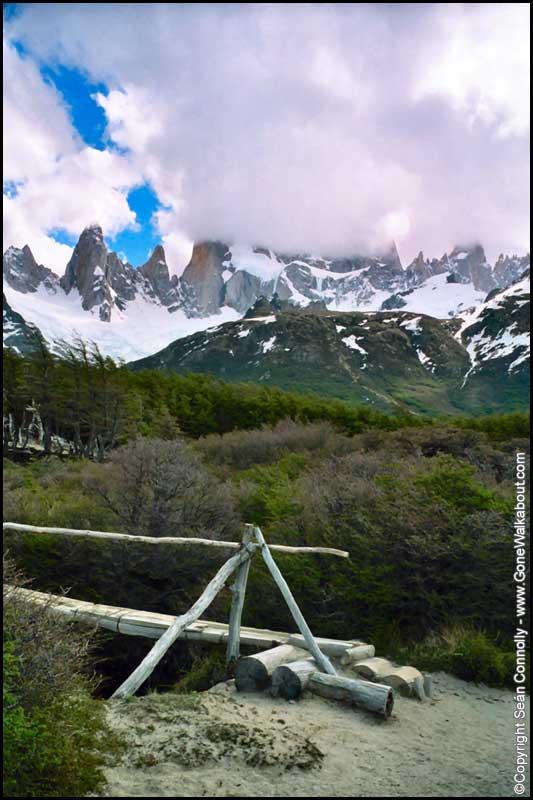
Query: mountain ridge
{"x": 222, "y": 282}
{"x": 394, "y": 360}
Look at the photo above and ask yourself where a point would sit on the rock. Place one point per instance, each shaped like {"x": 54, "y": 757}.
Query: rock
{"x": 202, "y": 278}
{"x": 161, "y": 285}
{"x": 24, "y": 274}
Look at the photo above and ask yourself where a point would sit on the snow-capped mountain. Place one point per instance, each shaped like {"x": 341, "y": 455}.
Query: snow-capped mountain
{"x": 497, "y": 338}
{"x": 236, "y": 276}
{"x": 18, "y": 334}
{"x": 128, "y": 312}
{"x": 131, "y": 312}
{"x": 389, "y": 359}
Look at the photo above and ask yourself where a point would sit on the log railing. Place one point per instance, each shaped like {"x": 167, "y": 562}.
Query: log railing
{"x": 253, "y": 540}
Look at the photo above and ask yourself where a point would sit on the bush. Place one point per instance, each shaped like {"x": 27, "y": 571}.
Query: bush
{"x": 56, "y": 741}
{"x": 242, "y": 449}
{"x": 159, "y": 487}
{"x": 463, "y": 651}
{"x": 205, "y": 671}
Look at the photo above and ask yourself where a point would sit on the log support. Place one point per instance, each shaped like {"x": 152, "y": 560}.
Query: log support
{"x": 253, "y": 673}
{"x": 374, "y": 697}
{"x": 290, "y": 680}
{"x": 149, "y": 662}
{"x": 310, "y": 642}
{"x": 238, "y": 590}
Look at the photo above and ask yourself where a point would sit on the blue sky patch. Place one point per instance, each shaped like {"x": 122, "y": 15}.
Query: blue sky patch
{"x": 11, "y": 188}
{"x": 62, "y": 236}
{"x": 77, "y": 91}
{"x": 138, "y": 245}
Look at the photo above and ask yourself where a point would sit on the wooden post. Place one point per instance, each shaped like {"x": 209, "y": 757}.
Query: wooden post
{"x": 323, "y": 662}
{"x": 150, "y": 661}
{"x": 238, "y": 590}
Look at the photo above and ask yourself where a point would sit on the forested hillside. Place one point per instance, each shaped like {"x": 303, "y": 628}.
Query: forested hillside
{"x": 87, "y": 404}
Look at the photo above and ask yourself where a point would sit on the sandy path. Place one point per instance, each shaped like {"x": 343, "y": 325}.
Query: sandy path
{"x": 225, "y": 744}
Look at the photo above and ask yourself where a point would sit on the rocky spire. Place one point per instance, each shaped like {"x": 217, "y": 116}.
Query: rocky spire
{"x": 86, "y": 270}
{"x": 24, "y": 274}
{"x": 162, "y": 285}
{"x": 202, "y": 278}
{"x": 468, "y": 264}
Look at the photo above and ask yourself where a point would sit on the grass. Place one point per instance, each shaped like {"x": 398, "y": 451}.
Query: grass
{"x": 465, "y": 652}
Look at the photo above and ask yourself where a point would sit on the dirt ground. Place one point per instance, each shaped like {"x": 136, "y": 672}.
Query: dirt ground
{"x": 225, "y": 744}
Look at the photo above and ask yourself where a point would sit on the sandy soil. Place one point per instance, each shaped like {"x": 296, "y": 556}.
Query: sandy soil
{"x": 225, "y": 744}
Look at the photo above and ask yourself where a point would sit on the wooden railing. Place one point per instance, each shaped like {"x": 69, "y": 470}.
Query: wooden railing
{"x": 252, "y": 541}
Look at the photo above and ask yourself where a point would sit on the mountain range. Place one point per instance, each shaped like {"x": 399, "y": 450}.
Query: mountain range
{"x": 393, "y": 360}
{"x": 443, "y": 334}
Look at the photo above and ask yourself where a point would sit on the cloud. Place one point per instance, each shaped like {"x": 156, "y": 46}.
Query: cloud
{"x": 324, "y": 127}
{"x": 60, "y": 182}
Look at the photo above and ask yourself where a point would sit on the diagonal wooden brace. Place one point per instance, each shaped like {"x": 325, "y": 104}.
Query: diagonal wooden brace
{"x": 150, "y": 661}
{"x": 322, "y": 661}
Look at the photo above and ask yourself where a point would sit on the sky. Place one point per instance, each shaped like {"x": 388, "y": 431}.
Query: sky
{"x": 322, "y": 128}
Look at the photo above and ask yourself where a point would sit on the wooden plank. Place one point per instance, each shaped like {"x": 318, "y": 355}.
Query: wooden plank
{"x": 150, "y": 661}
{"x": 15, "y": 526}
{"x": 238, "y": 589}
{"x": 145, "y": 623}
{"x": 374, "y": 697}
{"x": 253, "y": 673}
{"x": 322, "y": 660}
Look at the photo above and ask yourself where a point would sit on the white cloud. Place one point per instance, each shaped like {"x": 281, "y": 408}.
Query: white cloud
{"x": 36, "y": 127}
{"x": 62, "y": 183}
{"x": 482, "y": 64}
{"x": 311, "y": 126}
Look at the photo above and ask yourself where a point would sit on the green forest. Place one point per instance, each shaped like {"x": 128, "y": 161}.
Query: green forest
{"x": 423, "y": 506}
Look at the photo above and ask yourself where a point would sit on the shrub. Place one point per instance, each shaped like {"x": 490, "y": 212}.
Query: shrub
{"x": 205, "y": 671}
{"x": 159, "y": 488}
{"x": 56, "y": 741}
{"x": 468, "y": 653}
{"x": 242, "y": 449}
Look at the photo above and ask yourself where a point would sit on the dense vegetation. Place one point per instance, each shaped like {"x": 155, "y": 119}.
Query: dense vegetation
{"x": 90, "y": 404}
{"x": 424, "y": 513}
{"x": 423, "y": 508}
{"x": 55, "y": 738}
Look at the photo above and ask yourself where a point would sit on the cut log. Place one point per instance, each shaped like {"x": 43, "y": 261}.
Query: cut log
{"x": 253, "y": 673}
{"x": 150, "y": 661}
{"x": 289, "y": 680}
{"x": 374, "y": 697}
{"x": 428, "y": 685}
{"x": 373, "y": 668}
{"x": 358, "y": 653}
{"x": 403, "y": 679}
{"x": 323, "y": 662}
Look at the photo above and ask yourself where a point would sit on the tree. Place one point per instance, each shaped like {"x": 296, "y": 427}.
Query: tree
{"x": 159, "y": 488}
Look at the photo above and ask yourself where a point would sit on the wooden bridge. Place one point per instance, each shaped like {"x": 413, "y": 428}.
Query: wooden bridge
{"x": 291, "y": 662}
